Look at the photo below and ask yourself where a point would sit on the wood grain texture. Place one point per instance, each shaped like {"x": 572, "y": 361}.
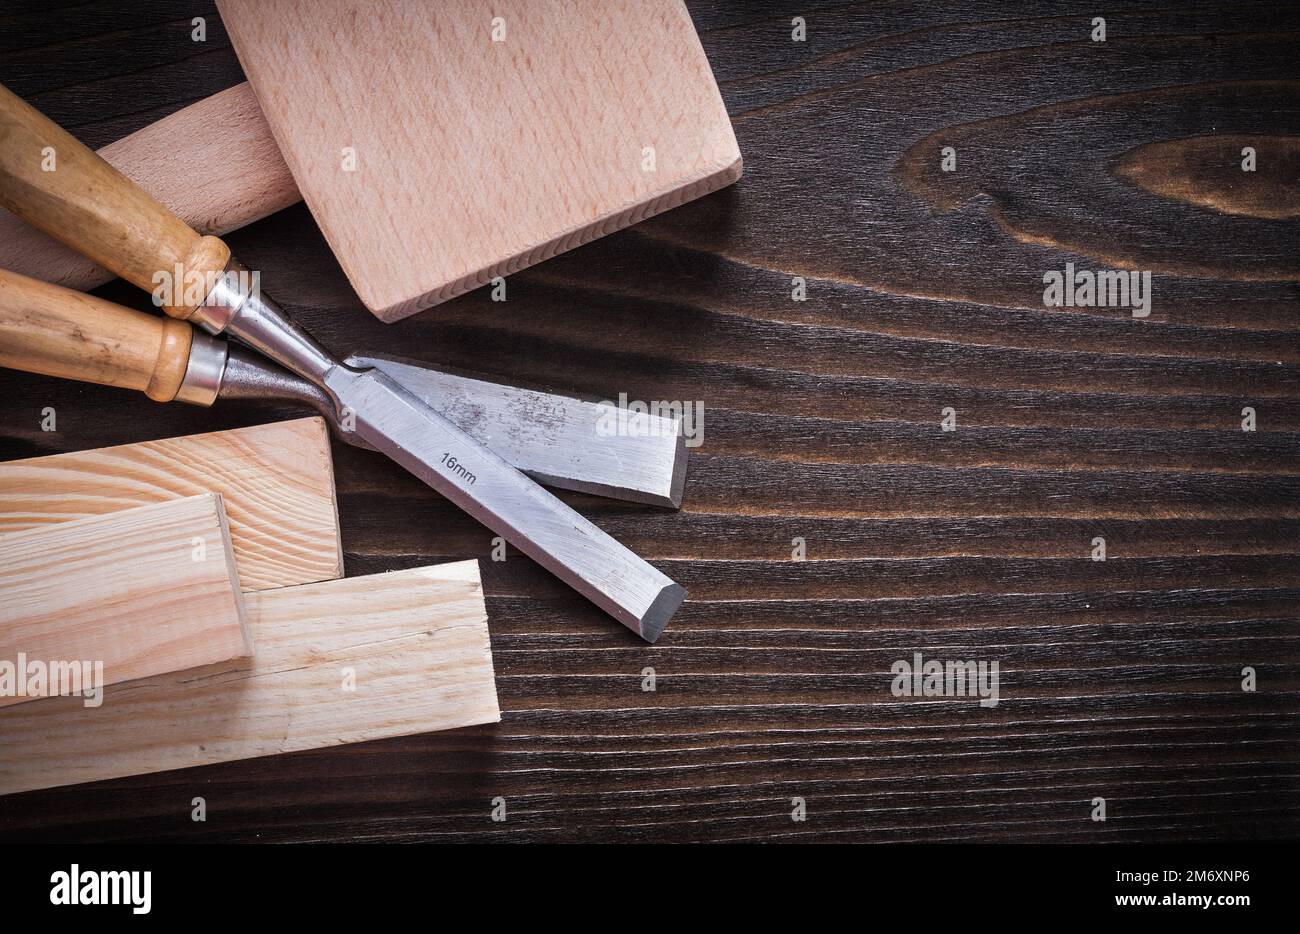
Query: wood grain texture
{"x": 276, "y": 480}
{"x": 1119, "y": 678}
{"x": 141, "y": 592}
{"x": 214, "y": 164}
{"x": 413, "y": 644}
{"x": 60, "y": 332}
{"x": 471, "y": 157}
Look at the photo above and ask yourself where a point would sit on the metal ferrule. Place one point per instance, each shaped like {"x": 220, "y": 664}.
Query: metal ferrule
{"x": 204, "y": 371}
{"x": 236, "y": 306}
{"x": 222, "y": 301}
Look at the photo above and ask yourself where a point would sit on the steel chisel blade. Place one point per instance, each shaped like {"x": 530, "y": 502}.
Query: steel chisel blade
{"x": 553, "y": 438}
{"x": 396, "y": 422}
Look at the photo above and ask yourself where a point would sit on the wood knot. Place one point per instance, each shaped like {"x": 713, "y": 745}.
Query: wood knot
{"x": 1244, "y": 174}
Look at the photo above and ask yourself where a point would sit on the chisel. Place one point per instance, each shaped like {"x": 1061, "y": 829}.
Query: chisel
{"x": 55, "y": 183}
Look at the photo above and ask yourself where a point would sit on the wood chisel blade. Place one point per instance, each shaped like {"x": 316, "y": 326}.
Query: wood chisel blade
{"x": 397, "y": 423}
{"x": 592, "y": 447}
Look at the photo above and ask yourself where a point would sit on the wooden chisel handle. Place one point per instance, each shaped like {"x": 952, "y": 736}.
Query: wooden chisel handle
{"x": 58, "y": 332}
{"x": 51, "y": 180}
{"x": 214, "y": 163}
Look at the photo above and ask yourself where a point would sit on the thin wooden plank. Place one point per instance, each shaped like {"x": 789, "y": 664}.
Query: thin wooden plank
{"x": 128, "y": 594}
{"x": 276, "y": 480}
{"x": 492, "y": 138}
{"x": 414, "y": 644}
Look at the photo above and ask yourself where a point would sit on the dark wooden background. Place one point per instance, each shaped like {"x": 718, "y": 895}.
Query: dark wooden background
{"x": 1119, "y": 679}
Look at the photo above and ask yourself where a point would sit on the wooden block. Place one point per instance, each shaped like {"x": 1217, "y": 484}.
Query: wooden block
{"x": 475, "y": 158}
{"x": 415, "y": 640}
{"x": 277, "y": 483}
{"x": 214, "y": 163}
{"x": 130, "y": 594}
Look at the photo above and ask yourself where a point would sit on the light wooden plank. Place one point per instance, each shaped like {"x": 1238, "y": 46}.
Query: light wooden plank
{"x": 276, "y": 480}
{"x": 130, "y": 594}
{"x": 416, "y": 642}
{"x": 473, "y": 157}
{"x": 214, "y": 163}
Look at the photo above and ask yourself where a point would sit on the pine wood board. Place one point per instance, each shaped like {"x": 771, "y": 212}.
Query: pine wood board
{"x": 476, "y": 158}
{"x": 141, "y": 591}
{"x": 416, "y": 642}
{"x": 276, "y": 480}
{"x": 214, "y": 163}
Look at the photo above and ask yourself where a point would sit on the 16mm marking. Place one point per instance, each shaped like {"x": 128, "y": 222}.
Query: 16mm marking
{"x": 456, "y": 468}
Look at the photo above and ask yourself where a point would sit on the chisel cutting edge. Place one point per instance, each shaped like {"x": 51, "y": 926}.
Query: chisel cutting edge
{"x": 93, "y": 208}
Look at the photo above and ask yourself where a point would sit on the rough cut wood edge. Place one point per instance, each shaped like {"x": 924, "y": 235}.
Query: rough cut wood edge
{"x": 124, "y": 590}
{"x": 416, "y": 641}
{"x": 214, "y": 163}
{"x": 276, "y": 480}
